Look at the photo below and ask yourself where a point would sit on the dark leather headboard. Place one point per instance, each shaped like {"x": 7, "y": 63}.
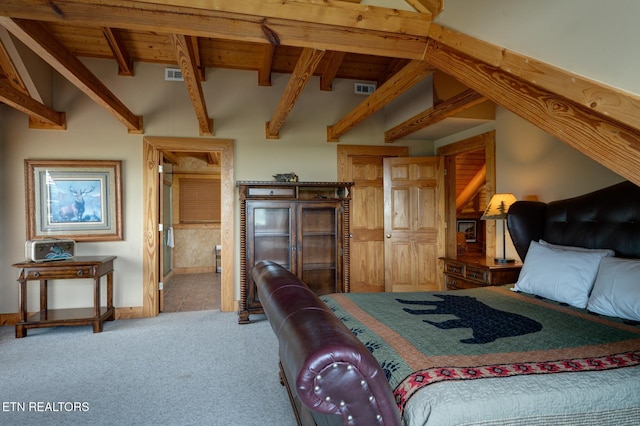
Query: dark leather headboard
{"x": 607, "y": 218}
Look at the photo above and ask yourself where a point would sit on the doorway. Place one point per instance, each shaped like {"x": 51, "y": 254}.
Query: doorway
{"x": 153, "y": 147}
{"x": 190, "y": 217}
{"x": 486, "y": 143}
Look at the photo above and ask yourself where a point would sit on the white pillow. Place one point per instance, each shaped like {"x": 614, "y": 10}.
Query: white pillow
{"x": 565, "y": 276}
{"x": 616, "y": 292}
{"x": 608, "y": 252}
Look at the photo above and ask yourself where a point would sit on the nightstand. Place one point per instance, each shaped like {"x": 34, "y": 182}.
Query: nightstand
{"x": 473, "y": 272}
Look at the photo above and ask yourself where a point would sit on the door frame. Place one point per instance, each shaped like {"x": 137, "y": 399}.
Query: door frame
{"x": 488, "y": 142}
{"x": 152, "y": 147}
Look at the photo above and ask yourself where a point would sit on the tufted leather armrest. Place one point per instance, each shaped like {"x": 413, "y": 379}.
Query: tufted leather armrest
{"x": 334, "y": 373}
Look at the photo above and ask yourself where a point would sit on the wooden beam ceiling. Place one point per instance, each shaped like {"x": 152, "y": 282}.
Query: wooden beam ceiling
{"x": 125, "y": 64}
{"x": 35, "y": 36}
{"x": 402, "y": 81}
{"x": 25, "y": 103}
{"x": 611, "y": 143}
{"x": 601, "y": 99}
{"x": 426, "y": 118}
{"x": 303, "y": 71}
{"x": 427, "y": 6}
{"x": 14, "y": 92}
{"x": 264, "y": 73}
{"x": 330, "y": 70}
{"x": 337, "y": 26}
{"x": 601, "y": 121}
{"x": 183, "y": 46}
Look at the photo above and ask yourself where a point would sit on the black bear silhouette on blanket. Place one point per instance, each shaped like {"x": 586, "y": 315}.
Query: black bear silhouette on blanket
{"x": 487, "y": 323}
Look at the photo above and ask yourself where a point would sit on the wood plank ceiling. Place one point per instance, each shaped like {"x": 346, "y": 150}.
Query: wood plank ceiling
{"x": 329, "y": 39}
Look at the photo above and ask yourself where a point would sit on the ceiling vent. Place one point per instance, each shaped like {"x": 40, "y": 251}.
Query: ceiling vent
{"x": 173, "y": 74}
{"x": 364, "y": 88}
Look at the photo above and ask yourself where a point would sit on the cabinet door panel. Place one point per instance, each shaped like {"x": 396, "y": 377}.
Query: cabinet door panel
{"x": 321, "y": 281}
{"x": 317, "y": 249}
{"x": 269, "y": 237}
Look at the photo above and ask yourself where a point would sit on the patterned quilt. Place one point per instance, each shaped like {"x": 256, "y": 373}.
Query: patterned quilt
{"x": 421, "y": 339}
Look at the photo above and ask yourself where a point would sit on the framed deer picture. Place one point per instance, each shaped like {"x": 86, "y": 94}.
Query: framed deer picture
{"x": 76, "y": 199}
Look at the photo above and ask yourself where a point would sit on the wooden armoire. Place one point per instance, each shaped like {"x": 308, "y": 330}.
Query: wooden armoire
{"x": 303, "y": 226}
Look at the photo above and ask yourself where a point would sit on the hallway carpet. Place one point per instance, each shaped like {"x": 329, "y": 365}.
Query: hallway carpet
{"x": 192, "y": 292}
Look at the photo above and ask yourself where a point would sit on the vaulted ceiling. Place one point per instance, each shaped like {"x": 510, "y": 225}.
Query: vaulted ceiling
{"x": 330, "y": 39}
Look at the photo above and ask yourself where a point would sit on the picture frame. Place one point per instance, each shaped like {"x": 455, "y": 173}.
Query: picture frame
{"x": 74, "y": 199}
{"x": 470, "y": 229}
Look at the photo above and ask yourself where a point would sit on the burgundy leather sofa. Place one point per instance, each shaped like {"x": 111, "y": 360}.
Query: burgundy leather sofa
{"x": 324, "y": 366}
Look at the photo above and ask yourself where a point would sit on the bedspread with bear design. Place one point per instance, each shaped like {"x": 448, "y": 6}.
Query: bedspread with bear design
{"x": 425, "y": 340}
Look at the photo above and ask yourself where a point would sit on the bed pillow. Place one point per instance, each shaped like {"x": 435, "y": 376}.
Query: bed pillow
{"x": 607, "y": 252}
{"x": 616, "y": 292}
{"x": 565, "y": 276}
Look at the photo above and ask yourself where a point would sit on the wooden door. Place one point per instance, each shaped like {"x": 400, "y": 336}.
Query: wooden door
{"x": 414, "y": 224}
{"x": 362, "y": 165}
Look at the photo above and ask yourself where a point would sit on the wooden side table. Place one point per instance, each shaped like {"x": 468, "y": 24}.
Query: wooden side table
{"x": 91, "y": 267}
{"x": 473, "y": 272}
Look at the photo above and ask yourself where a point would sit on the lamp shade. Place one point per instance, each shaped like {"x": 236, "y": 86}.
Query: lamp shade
{"x": 498, "y": 206}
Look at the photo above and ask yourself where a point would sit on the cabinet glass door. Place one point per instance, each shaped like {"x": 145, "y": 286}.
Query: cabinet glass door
{"x": 272, "y": 234}
{"x": 318, "y": 252}
{"x": 268, "y": 238}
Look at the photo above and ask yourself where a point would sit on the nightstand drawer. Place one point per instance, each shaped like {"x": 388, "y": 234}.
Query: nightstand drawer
{"x": 455, "y": 283}
{"x": 477, "y": 274}
{"x": 453, "y": 269}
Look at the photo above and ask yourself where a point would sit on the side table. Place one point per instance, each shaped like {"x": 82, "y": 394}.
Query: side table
{"x": 473, "y": 272}
{"x": 91, "y": 267}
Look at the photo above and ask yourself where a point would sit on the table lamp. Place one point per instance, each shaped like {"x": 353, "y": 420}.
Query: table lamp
{"x": 497, "y": 210}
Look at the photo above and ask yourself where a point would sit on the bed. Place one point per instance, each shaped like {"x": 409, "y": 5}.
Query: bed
{"x": 561, "y": 346}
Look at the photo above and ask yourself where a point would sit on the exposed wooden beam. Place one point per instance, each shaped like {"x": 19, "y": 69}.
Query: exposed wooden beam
{"x": 601, "y": 99}
{"x": 213, "y": 157}
{"x": 23, "y": 102}
{"x": 10, "y": 71}
{"x": 125, "y": 63}
{"x": 327, "y": 76}
{"x": 473, "y": 187}
{"x": 197, "y": 58}
{"x": 38, "y": 39}
{"x": 612, "y": 144}
{"x": 303, "y": 71}
{"x": 264, "y": 73}
{"x": 17, "y": 81}
{"x": 321, "y": 25}
{"x": 395, "y": 65}
{"x": 394, "y": 87}
{"x": 170, "y": 157}
{"x": 448, "y": 108}
{"x": 330, "y": 12}
{"x": 186, "y": 60}
{"x": 434, "y": 7}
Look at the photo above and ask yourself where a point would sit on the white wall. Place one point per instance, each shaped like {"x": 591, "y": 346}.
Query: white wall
{"x": 239, "y": 108}
{"x": 591, "y": 38}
